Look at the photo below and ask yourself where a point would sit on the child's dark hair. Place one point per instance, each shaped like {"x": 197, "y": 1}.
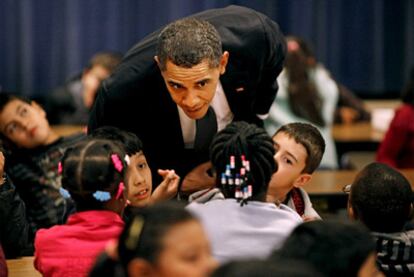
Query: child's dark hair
{"x": 381, "y": 197}
{"x": 335, "y": 248}
{"x": 7, "y": 97}
{"x": 310, "y": 137}
{"x": 91, "y": 166}
{"x": 243, "y": 141}
{"x": 129, "y": 141}
{"x": 143, "y": 234}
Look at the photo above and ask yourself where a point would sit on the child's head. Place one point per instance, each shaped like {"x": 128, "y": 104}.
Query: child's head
{"x": 299, "y": 148}
{"x": 23, "y": 123}
{"x": 138, "y": 177}
{"x": 243, "y": 153}
{"x": 381, "y": 198}
{"x": 165, "y": 240}
{"x": 334, "y": 248}
{"x": 93, "y": 174}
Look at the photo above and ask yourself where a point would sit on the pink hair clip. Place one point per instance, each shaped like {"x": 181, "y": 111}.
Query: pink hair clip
{"x": 60, "y": 168}
{"x": 121, "y": 188}
{"x": 117, "y": 162}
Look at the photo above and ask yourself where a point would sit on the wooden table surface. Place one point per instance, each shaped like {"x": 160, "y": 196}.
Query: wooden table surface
{"x": 331, "y": 182}
{"x": 22, "y": 267}
{"x": 65, "y": 130}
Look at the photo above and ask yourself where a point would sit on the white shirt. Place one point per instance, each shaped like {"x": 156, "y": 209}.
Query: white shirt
{"x": 223, "y": 115}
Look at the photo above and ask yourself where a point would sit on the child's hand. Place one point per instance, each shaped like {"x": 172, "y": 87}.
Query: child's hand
{"x": 168, "y": 187}
{"x": 309, "y": 218}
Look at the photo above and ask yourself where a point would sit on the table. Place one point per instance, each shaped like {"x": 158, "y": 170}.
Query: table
{"x": 325, "y": 183}
{"x": 22, "y": 267}
{"x": 65, "y": 130}
{"x": 356, "y": 132}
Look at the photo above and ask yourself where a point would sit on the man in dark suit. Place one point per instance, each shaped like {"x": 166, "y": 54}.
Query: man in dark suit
{"x": 220, "y": 63}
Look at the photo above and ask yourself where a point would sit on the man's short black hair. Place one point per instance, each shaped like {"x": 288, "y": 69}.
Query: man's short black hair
{"x": 187, "y": 42}
{"x": 381, "y": 198}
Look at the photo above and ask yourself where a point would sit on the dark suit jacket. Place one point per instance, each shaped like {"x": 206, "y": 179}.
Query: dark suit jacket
{"x": 136, "y": 99}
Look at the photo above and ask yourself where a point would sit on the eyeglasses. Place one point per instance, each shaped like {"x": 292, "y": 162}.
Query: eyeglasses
{"x": 347, "y": 188}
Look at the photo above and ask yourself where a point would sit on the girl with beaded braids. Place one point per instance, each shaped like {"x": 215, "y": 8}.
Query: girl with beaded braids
{"x": 243, "y": 225}
{"x": 93, "y": 176}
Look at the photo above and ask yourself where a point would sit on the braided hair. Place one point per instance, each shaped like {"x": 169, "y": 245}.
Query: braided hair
{"x": 93, "y": 171}
{"x": 243, "y": 148}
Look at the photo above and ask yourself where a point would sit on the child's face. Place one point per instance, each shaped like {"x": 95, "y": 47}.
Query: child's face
{"x": 290, "y": 158}
{"x": 139, "y": 181}
{"x": 25, "y": 124}
{"x": 186, "y": 252}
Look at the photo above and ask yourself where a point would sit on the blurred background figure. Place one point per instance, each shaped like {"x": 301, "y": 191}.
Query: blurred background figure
{"x": 397, "y": 147}
{"x": 308, "y": 94}
{"x": 70, "y": 104}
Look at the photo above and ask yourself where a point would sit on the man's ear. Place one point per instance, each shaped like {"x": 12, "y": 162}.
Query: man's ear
{"x": 223, "y": 62}
{"x": 140, "y": 267}
{"x": 302, "y": 180}
{"x": 157, "y": 60}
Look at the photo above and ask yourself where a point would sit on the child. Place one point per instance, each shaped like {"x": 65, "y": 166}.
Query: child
{"x": 334, "y": 248}
{"x": 160, "y": 240}
{"x": 244, "y": 225}
{"x": 381, "y": 198}
{"x": 138, "y": 177}
{"x": 299, "y": 149}
{"x": 93, "y": 175}
{"x": 33, "y": 151}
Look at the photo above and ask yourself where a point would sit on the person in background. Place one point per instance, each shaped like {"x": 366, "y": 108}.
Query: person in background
{"x": 397, "y": 147}
{"x": 162, "y": 240}
{"x": 299, "y": 149}
{"x": 186, "y": 82}
{"x": 334, "y": 248}
{"x": 244, "y": 225}
{"x": 350, "y": 108}
{"x": 33, "y": 150}
{"x": 93, "y": 174}
{"x": 71, "y": 103}
{"x": 381, "y": 198}
{"x": 307, "y": 94}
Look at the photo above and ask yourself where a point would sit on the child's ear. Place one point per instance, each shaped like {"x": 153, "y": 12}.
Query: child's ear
{"x": 140, "y": 267}
{"x": 302, "y": 180}
{"x": 351, "y": 212}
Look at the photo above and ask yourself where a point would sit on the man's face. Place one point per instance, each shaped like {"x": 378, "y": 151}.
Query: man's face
{"x": 290, "y": 158}
{"x": 193, "y": 88}
{"x": 25, "y": 124}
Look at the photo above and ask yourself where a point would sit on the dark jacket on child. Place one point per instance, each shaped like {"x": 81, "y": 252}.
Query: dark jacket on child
{"x": 14, "y": 228}
{"x": 35, "y": 175}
